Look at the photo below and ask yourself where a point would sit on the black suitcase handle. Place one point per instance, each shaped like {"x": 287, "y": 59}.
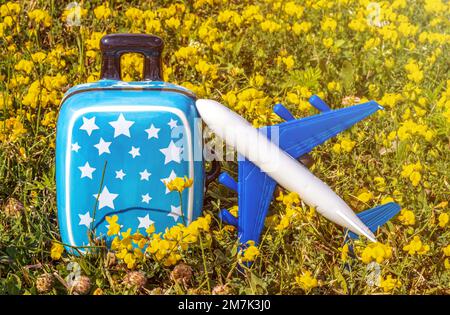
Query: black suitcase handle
{"x": 113, "y": 46}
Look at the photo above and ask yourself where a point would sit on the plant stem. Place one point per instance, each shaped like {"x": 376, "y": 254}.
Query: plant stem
{"x": 204, "y": 263}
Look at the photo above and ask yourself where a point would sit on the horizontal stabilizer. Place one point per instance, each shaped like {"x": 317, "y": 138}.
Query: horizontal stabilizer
{"x": 376, "y": 217}
{"x": 298, "y": 137}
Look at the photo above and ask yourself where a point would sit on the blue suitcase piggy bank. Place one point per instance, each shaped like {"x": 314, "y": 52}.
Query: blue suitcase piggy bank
{"x": 118, "y": 143}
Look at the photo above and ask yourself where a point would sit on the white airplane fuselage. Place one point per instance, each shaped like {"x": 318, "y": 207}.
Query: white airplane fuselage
{"x": 279, "y": 165}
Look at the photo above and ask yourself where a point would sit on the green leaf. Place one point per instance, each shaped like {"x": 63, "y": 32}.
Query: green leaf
{"x": 339, "y": 43}
{"x": 309, "y": 78}
{"x": 347, "y": 73}
{"x": 259, "y": 286}
{"x": 340, "y": 278}
{"x": 13, "y": 284}
{"x": 237, "y": 48}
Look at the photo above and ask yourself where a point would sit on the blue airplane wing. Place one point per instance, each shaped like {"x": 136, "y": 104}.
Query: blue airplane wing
{"x": 299, "y": 136}
{"x": 255, "y": 191}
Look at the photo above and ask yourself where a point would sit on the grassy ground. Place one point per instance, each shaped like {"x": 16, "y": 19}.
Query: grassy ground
{"x": 249, "y": 56}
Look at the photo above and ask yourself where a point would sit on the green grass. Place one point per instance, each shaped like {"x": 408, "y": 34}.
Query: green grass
{"x": 27, "y": 168}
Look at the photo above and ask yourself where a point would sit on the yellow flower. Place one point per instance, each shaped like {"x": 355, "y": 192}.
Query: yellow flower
{"x": 5, "y": 101}
{"x": 232, "y": 18}
{"x": 284, "y": 223}
{"x": 435, "y": 6}
{"x": 328, "y": 42}
{"x": 388, "y": 284}
{"x": 407, "y": 217}
{"x": 441, "y": 205}
{"x": 292, "y": 9}
{"x": 234, "y": 211}
{"x": 9, "y": 8}
{"x": 49, "y": 119}
{"x": 365, "y": 196}
{"x": 179, "y": 184}
{"x": 130, "y": 260}
{"x": 172, "y": 259}
{"x": 412, "y": 172}
{"x": 252, "y": 13}
{"x": 390, "y": 99}
{"x": 289, "y": 200}
{"x": 409, "y": 128}
{"x": 24, "y": 65}
{"x": 114, "y": 227}
{"x": 11, "y": 130}
{"x": 270, "y": 26}
{"x": 345, "y": 145}
{"x": 292, "y": 98}
{"x": 328, "y": 24}
{"x": 289, "y": 62}
{"x": 344, "y": 252}
{"x": 125, "y": 247}
{"x": 98, "y": 291}
{"x": 250, "y": 252}
{"x": 93, "y": 43}
{"x": 416, "y": 246}
{"x": 371, "y": 43}
{"x": 134, "y": 15}
{"x": 175, "y": 233}
{"x": 205, "y": 68}
{"x": 173, "y": 23}
{"x": 166, "y": 249}
{"x": 251, "y": 102}
{"x": 150, "y": 229}
{"x": 303, "y": 27}
{"x": 56, "y": 251}
{"x": 376, "y": 252}
{"x": 334, "y": 86}
{"x": 414, "y": 73}
{"x": 102, "y": 12}
{"x": 152, "y": 26}
{"x": 337, "y": 148}
{"x": 306, "y": 281}
{"x": 415, "y": 178}
{"x": 38, "y": 57}
{"x": 257, "y": 80}
{"x": 443, "y": 219}
{"x": 446, "y": 250}
{"x": 40, "y": 17}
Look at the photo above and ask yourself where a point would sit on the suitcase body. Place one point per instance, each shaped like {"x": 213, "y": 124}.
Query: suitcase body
{"x": 119, "y": 142}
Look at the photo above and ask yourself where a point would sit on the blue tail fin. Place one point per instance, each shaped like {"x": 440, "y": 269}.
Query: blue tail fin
{"x": 376, "y": 217}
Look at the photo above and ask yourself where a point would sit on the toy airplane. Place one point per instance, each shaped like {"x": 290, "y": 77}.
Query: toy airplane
{"x": 262, "y": 164}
